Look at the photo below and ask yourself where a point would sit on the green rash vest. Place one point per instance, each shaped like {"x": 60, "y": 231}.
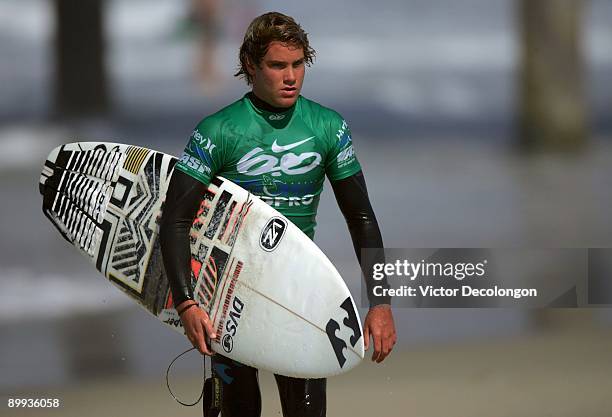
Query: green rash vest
{"x": 281, "y": 157}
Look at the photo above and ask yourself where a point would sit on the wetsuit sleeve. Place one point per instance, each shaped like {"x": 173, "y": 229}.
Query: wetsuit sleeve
{"x": 352, "y": 196}
{"x": 182, "y": 201}
{"x": 201, "y": 160}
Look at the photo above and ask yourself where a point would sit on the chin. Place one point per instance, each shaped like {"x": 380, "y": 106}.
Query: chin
{"x": 286, "y": 101}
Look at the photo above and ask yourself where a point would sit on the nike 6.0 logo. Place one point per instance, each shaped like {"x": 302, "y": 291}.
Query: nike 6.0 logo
{"x": 278, "y": 149}
{"x": 256, "y": 163}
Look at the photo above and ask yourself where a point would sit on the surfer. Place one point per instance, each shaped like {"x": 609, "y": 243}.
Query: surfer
{"x": 279, "y": 146}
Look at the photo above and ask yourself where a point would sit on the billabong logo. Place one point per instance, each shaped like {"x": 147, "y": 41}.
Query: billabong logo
{"x": 276, "y": 117}
{"x": 352, "y": 323}
{"x": 272, "y": 233}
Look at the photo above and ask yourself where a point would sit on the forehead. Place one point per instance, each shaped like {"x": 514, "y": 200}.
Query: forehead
{"x": 278, "y": 51}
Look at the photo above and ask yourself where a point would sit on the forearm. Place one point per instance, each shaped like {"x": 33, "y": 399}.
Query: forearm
{"x": 180, "y": 208}
{"x": 352, "y": 196}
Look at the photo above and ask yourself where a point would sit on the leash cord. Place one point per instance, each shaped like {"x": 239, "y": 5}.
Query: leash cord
{"x": 168, "y": 381}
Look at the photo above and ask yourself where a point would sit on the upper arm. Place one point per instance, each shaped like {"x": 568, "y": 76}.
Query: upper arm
{"x": 183, "y": 198}
{"x": 341, "y": 161}
{"x": 204, "y": 152}
{"x": 352, "y": 197}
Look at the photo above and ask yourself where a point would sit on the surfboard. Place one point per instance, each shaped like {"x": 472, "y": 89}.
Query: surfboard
{"x": 276, "y": 301}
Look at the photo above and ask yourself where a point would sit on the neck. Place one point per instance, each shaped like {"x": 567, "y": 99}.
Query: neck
{"x": 263, "y": 105}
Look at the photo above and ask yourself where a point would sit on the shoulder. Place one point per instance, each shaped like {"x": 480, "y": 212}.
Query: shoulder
{"x": 318, "y": 113}
{"x": 225, "y": 120}
{"x": 323, "y": 119}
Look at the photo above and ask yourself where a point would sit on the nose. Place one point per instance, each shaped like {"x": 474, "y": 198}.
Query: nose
{"x": 289, "y": 78}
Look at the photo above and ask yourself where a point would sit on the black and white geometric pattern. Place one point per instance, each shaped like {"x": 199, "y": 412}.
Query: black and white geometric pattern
{"x": 96, "y": 163}
{"x": 105, "y": 198}
{"x": 76, "y": 192}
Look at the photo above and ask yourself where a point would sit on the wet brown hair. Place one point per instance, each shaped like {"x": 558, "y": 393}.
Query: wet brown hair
{"x": 270, "y": 27}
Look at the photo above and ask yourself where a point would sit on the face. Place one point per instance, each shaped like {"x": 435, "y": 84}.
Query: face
{"x": 279, "y": 77}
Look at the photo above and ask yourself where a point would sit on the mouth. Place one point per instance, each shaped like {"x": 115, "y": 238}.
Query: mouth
{"x": 288, "y": 91}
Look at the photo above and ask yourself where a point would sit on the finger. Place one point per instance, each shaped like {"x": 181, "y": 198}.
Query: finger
{"x": 384, "y": 351}
{"x": 195, "y": 335}
{"x": 194, "y": 340}
{"x": 377, "y": 346}
{"x": 208, "y": 327}
{"x": 208, "y": 335}
{"x": 204, "y": 349}
{"x": 208, "y": 341}
{"x": 366, "y": 337}
{"x": 191, "y": 333}
{"x": 391, "y": 343}
{"x": 200, "y": 344}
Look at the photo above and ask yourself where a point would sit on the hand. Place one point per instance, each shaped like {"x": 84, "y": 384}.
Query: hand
{"x": 379, "y": 323}
{"x": 198, "y": 326}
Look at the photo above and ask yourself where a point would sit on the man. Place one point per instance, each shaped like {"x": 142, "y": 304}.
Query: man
{"x": 280, "y": 146}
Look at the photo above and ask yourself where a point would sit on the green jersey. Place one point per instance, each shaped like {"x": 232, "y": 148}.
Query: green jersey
{"x": 281, "y": 157}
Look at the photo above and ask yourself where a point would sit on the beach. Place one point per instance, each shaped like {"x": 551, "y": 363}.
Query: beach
{"x": 558, "y": 373}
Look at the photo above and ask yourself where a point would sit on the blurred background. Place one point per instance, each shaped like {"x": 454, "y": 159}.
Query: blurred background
{"x": 479, "y": 123}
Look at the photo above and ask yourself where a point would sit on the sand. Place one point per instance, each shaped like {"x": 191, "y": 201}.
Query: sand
{"x": 556, "y": 374}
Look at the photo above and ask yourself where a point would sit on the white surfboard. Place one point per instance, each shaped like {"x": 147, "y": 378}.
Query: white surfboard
{"x": 276, "y": 300}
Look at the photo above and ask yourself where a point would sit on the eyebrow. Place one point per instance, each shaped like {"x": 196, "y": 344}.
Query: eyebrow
{"x": 297, "y": 61}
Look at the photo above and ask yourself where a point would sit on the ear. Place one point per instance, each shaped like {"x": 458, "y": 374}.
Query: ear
{"x": 250, "y": 68}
